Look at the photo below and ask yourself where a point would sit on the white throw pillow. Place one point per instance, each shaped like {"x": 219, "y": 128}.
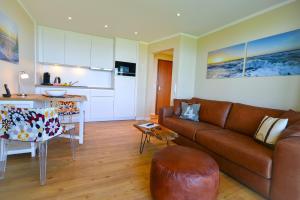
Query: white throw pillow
{"x": 269, "y": 129}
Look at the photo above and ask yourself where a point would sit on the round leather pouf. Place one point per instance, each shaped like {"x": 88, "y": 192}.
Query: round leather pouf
{"x": 181, "y": 173}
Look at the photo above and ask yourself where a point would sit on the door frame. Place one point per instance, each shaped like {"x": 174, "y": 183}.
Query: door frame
{"x": 156, "y": 84}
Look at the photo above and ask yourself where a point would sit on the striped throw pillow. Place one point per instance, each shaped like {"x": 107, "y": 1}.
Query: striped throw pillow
{"x": 269, "y": 130}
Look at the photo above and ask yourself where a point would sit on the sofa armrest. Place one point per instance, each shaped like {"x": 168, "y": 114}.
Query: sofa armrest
{"x": 286, "y": 169}
{"x": 165, "y": 112}
{"x": 291, "y": 131}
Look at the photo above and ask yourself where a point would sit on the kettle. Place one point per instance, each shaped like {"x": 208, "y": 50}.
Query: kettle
{"x": 57, "y": 80}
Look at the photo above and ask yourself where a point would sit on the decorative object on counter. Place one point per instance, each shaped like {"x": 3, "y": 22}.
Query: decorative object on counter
{"x": 46, "y": 78}
{"x": 7, "y": 90}
{"x": 9, "y": 45}
{"x": 56, "y": 93}
{"x": 22, "y": 75}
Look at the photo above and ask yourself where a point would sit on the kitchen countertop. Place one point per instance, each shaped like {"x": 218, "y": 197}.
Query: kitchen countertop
{"x": 75, "y": 87}
{"x": 40, "y": 97}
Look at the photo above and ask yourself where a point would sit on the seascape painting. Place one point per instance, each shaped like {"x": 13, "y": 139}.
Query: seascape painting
{"x": 226, "y": 63}
{"x": 277, "y": 55}
{"x": 9, "y": 46}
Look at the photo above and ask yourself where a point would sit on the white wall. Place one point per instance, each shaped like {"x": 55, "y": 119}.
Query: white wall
{"x": 187, "y": 67}
{"x": 277, "y": 92}
{"x": 172, "y": 43}
{"x": 141, "y": 81}
{"x": 9, "y": 71}
{"x": 184, "y": 60}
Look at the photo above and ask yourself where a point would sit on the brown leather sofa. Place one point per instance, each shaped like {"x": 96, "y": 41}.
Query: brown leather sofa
{"x": 226, "y": 130}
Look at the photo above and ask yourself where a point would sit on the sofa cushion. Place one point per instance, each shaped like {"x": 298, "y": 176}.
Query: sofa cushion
{"x": 186, "y": 128}
{"x": 269, "y": 130}
{"x": 214, "y": 112}
{"x": 292, "y": 115}
{"x": 190, "y": 111}
{"x": 239, "y": 149}
{"x": 246, "y": 119}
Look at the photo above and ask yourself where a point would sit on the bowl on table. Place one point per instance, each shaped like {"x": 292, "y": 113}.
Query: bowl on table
{"x": 55, "y": 93}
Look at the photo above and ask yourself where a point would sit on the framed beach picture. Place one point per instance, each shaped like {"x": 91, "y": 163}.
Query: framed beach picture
{"x": 9, "y": 45}
{"x": 226, "y": 63}
{"x": 278, "y": 55}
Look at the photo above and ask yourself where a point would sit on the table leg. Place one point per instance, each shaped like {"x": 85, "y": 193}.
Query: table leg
{"x": 149, "y": 137}
{"x": 43, "y": 162}
{"x": 81, "y": 123}
{"x": 142, "y": 143}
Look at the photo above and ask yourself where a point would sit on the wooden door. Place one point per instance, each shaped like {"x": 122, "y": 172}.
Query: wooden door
{"x": 164, "y": 83}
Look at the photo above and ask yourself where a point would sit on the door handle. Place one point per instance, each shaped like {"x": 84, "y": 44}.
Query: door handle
{"x": 158, "y": 88}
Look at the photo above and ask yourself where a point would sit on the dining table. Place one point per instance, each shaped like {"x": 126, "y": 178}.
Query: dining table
{"x": 42, "y": 101}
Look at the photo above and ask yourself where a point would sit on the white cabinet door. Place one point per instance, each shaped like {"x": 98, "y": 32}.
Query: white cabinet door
{"x": 77, "y": 49}
{"x": 124, "y": 103}
{"x": 51, "y": 45}
{"x": 102, "y": 108}
{"x": 126, "y": 50}
{"x": 102, "y": 53}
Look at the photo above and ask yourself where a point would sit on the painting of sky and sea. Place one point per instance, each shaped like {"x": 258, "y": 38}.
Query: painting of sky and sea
{"x": 226, "y": 63}
{"x": 9, "y": 48}
{"x": 277, "y": 55}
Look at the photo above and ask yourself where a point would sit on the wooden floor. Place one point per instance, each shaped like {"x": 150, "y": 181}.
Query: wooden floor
{"x": 108, "y": 166}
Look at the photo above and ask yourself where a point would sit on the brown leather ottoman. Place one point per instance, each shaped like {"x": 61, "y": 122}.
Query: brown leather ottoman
{"x": 181, "y": 173}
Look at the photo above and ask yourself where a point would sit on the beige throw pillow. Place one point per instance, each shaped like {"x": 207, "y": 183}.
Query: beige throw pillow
{"x": 269, "y": 130}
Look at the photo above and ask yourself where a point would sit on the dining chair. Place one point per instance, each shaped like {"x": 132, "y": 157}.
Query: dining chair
{"x": 67, "y": 112}
{"x": 28, "y": 125}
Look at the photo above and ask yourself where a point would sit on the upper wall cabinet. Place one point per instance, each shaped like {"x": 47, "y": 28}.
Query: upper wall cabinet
{"x": 77, "y": 49}
{"x": 51, "y": 45}
{"x": 102, "y": 53}
{"x": 126, "y": 50}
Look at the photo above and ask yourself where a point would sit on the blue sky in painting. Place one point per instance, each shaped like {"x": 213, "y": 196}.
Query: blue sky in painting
{"x": 278, "y": 43}
{"x": 226, "y": 54}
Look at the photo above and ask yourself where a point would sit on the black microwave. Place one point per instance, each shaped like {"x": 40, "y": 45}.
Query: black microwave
{"x": 125, "y": 68}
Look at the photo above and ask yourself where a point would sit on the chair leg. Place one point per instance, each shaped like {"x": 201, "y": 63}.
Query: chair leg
{"x": 3, "y": 157}
{"x": 33, "y": 149}
{"x": 43, "y": 162}
{"x": 73, "y": 143}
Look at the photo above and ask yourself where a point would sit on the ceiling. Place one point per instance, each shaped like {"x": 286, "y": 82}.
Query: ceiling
{"x": 152, "y": 19}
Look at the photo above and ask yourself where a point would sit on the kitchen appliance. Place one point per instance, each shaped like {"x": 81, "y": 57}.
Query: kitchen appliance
{"x": 7, "y": 94}
{"x": 125, "y": 68}
{"x": 57, "y": 80}
{"x": 46, "y": 78}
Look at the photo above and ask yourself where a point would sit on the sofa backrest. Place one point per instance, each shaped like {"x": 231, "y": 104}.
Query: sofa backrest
{"x": 177, "y": 105}
{"x": 213, "y": 112}
{"x": 292, "y": 116}
{"x": 245, "y": 119}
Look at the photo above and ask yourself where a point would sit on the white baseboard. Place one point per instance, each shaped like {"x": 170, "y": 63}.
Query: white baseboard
{"x": 142, "y": 118}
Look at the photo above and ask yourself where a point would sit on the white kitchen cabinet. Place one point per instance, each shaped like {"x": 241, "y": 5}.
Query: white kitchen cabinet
{"x": 124, "y": 102}
{"x": 102, "y": 108}
{"x": 102, "y": 53}
{"x": 126, "y": 50}
{"x": 51, "y": 45}
{"x": 77, "y": 49}
{"x": 101, "y": 105}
